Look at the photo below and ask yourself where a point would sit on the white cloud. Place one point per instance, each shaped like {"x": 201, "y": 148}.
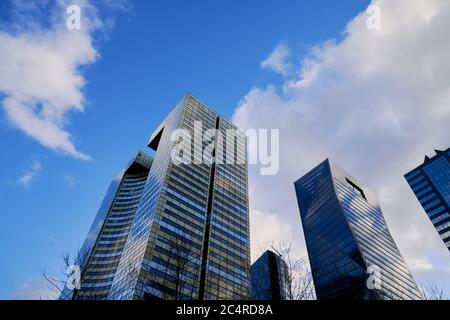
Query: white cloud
{"x": 278, "y": 60}
{"x": 30, "y": 175}
{"x": 375, "y": 102}
{"x": 420, "y": 264}
{"x": 267, "y": 229}
{"x": 34, "y": 289}
{"x": 41, "y": 64}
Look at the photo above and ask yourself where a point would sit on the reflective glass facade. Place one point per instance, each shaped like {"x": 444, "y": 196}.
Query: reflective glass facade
{"x": 269, "y": 277}
{"x": 347, "y": 239}
{"x": 100, "y": 254}
{"x": 189, "y": 237}
{"x": 430, "y": 182}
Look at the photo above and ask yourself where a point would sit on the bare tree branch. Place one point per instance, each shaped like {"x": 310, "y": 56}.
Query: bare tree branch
{"x": 432, "y": 291}
{"x": 298, "y": 279}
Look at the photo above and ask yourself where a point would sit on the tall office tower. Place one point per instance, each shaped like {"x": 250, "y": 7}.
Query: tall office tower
{"x": 351, "y": 251}
{"x": 269, "y": 277}
{"x": 100, "y": 254}
{"x": 431, "y": 184}
{"x": 189, "y": 238}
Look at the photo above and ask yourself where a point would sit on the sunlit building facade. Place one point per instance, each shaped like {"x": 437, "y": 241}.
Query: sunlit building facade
{"x": 351, "y": 251}
{"x": 430, "y": 182}
{"x": 99, "y": 256}
{"x": 189, "y": 237}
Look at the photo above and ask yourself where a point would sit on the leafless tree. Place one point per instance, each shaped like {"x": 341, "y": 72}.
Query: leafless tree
{"x": 178, "y": 266}
{"x": 296, "y": 276}
{"x": 432, "y": 291}
{"x": 182, "y": 258}
{"x": 58, "y": 285}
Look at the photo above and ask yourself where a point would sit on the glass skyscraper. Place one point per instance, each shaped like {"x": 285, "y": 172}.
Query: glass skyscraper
{"x": 101, "y": 251}
{"x": 185, "y": 227}
{"x": 430, "y": 182}
{"x": 269, "y": 277}
{"x": 351, "y": 251}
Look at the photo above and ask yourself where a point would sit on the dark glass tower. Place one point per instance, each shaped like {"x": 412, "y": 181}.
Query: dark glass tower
{"x": 430, "y": 182}
{"x": 351, "y": 251}
{"x": 269, "y": 277}
{"x": 189, "y": 235}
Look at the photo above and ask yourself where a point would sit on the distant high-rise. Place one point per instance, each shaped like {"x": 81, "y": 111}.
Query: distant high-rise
{"x": 351, "y": 251}
{"x": 431, "y": 184}
{"x": 269, "y": 277}
{"x": 175, "y": 230}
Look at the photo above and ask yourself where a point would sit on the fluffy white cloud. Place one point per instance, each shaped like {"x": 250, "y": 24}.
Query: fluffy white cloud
{"x": 278, "y": 60}
{"x": 376, "y": 102}
{"x": 267, "y": 230}
{"x": 420, "y": 264}
{"x": 41, "y": 64}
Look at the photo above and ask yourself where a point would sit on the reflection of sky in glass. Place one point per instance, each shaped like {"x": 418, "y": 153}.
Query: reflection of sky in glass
{"x": 268, "y": 277}
{"x": 345, "y": 233}
{"x": 431, "y": 184}
{"x": 376, "y": 243}
{"x": 439, "y": 173}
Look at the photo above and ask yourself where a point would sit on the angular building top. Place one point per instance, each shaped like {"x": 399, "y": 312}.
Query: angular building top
{"x": 179, "y": 230}
{"x": 351, "y": 251}
{"x": 430, "y": 182}
{"x": 99, "y": 256}
{"x": 269, "y": 277}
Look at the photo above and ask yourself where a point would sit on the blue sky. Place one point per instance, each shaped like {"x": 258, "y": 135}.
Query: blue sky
{"x": 153, "y": 55}
{"x": 155, "y": 52}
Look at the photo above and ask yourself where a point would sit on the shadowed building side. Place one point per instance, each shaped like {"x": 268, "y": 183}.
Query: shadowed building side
{"x": 269, "y": 277}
